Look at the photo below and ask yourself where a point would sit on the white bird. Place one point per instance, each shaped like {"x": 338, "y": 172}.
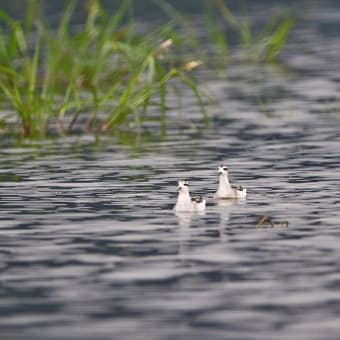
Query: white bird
{"x": 225, "y": 189}
{"x": 185, "y": 203}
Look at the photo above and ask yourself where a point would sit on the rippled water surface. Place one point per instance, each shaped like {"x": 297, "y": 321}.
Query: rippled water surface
{"x": 90, "y": 247}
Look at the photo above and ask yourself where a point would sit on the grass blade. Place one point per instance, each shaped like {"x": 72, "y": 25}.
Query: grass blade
{"x": 277, "y": 40}
{"x": 65, "y": 20}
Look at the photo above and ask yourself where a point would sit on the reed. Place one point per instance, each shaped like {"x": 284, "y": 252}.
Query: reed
{"x": 263, "y": 46}
{"x": 102, "y": 75}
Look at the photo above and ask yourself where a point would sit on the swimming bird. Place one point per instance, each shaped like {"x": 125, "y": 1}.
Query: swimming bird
{"x": 185, "y": 203}
{"x": 225, "y": 189}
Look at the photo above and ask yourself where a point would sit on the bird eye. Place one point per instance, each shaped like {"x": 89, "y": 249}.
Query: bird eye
{"x": 225, "y": 168}
{"x": 186, "y": 184}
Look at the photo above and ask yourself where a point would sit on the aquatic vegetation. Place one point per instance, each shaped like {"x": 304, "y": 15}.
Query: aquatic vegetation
{"x": 267, "y": 222}
{"x": 262, "y": 46}
{"x": 100, "y": 75}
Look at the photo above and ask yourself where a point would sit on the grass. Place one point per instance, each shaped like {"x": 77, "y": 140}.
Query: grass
{"x": 264, "y": 46}
{"x": 65, "y": 77}
{"x": 103, "y": 74}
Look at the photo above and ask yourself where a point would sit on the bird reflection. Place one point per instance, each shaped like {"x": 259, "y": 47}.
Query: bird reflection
{"x": 186, "y": 218}
{"x": 223, "y": 208}
{"x": 193, "y": 224}
{"x": 226, "y": 203}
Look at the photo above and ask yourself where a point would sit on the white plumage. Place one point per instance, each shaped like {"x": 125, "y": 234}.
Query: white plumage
{"x": 225, "y": 189}
{"x": 185, "y": 203}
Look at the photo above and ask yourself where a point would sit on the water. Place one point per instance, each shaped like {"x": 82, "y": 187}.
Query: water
{"x": 90, "y": 247}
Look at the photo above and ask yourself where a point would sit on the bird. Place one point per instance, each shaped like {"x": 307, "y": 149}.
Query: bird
{"x": 225, "y": 189}
{"x": 185, "y": 203}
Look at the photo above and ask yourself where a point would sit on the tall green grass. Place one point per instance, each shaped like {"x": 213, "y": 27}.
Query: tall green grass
{"x": 101, "y": 75}
{"x": 263, "y": 46}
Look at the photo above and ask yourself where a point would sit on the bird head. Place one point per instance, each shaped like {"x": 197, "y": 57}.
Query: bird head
{"x": 223, "y": 170}
{"x": 183, "y": 185}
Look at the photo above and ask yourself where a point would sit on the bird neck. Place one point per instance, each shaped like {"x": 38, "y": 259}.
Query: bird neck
{"x": 183, "y": 197}
{"x": 224, "y": 180}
